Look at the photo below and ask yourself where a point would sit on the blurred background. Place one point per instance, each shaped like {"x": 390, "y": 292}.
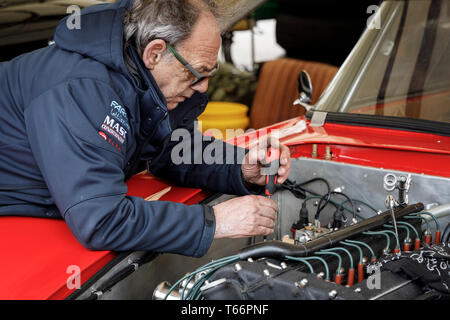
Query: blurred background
{"x": 277, "y": 35}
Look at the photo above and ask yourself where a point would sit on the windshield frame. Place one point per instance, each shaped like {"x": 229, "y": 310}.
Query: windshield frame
{"x": 339, "y": 93}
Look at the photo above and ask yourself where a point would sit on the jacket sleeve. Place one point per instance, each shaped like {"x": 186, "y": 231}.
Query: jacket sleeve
{"x": 83, "y": 171}
{"x": 198, "y": 161}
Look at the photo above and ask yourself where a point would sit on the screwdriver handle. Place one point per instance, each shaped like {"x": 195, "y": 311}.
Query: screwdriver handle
{"x": 273, "y": 163}
{"x": 271, "y": 181}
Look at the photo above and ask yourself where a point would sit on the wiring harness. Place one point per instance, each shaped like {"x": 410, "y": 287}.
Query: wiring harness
{"x": 327, "y": 255}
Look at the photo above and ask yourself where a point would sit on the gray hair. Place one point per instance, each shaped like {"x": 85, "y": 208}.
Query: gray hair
{"x": 169, "y": 20}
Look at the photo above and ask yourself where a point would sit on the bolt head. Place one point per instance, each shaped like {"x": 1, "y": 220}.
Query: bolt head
{"x": 332, "y": 294}
{"x": 303, "y": 283}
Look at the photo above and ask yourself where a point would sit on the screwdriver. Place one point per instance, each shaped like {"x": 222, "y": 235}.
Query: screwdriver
{"x": 390, "y": 202}
{"x": 271, "y": 169}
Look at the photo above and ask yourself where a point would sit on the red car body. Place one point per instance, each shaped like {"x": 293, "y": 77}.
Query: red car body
{"x": 37, "y": 252}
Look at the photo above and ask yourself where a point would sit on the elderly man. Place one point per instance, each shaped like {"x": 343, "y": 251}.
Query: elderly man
{"x": 79, "y": 117}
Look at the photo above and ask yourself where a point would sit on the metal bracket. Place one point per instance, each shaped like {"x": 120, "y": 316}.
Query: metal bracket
{"x": 318, "y": 119}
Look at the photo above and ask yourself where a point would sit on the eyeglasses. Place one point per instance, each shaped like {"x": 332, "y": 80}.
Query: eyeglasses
{"x": 197, "y": 75}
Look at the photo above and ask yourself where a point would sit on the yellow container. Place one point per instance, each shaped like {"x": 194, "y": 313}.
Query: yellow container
{"x": 220, "y": 116}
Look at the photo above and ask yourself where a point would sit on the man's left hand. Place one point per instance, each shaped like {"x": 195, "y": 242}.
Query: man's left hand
{"x": 252, "y": 168}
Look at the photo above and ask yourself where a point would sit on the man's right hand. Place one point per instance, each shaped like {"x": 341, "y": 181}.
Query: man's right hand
{"x": 245, "y": 216}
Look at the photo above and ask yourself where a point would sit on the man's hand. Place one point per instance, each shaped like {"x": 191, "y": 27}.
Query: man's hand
{"x": 245, "y": 216}
{"x": 254, "y": 162}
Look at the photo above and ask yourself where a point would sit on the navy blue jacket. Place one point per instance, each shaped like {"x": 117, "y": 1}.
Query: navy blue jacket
{"x": 75, "y": 124}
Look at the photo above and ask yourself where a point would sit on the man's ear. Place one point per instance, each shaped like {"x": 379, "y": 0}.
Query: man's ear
{"x": 153, "y": 53}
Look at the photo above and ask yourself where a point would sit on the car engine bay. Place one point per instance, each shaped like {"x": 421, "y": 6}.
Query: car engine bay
{"x": 335, "y": 238}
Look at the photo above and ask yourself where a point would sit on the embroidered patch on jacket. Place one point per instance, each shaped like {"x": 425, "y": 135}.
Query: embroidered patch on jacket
{"x": 120, "y": 114}
{"x": 111, "y": 141}
{"x": 114, "y": 128}
{"x": 102, "y": 134}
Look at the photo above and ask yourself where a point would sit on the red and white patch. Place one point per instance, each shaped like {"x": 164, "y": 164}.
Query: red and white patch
{"x": 102, "y": 134}
{"x": 113, "y": 128}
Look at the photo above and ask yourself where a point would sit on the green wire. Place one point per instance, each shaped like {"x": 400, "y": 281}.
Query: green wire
{"x": 395, "y": 236}
{"x": 213, "y": 264}
{"x": 364, "y": 244}
{"x": 338, "y": 272}
{"x": 432, "y": 216}
{"x": 355, "y": 246}
{"x": 388, "y": 240}
{"x": 411, "y": 226}
{"x": 327, "y": 270}
{"x": 195, "y": 290}
{"x": 364, "y": 203}
{"x": 350, "y": 211}
{"x": 303, "y": 260}
{"x": 343, "y": 249}
{"x": 400, "y": 227}
{"x": 336, "y": 204}
{"x": 342, "y": 204}
{"x": 219, "y": 262}
{"x": 419, "y": 217}
{"x": 311, "y": 197}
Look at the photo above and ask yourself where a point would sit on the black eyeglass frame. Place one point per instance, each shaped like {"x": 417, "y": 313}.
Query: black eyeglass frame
{"x": 197, "y": 75}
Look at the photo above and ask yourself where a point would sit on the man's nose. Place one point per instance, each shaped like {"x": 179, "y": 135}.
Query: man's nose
{"x": 202, "y": 86}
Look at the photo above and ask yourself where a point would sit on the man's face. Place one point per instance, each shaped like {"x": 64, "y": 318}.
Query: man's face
{"x": 200, "y": 51}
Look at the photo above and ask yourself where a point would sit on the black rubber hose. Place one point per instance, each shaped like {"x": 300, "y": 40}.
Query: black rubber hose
{"x": 446, "y": 234}
{"x": 319, "y": 209}
{"x": 300, "y": 192}
{"x": 278, "y": 249}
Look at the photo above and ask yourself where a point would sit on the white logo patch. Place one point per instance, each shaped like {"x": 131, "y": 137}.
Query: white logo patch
{"x": 115, "y": 129}
{"x": 119, "y": 112}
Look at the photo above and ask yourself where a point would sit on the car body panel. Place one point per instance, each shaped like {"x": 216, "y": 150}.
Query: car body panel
{"x": 41, "y": 257}
{"x": 43, "y": 249}
{"x": 37, "y": 252}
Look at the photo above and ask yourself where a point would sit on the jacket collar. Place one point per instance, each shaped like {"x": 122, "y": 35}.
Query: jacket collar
{"x": 186, "y": 111}
{"x": 145, "y": 79}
